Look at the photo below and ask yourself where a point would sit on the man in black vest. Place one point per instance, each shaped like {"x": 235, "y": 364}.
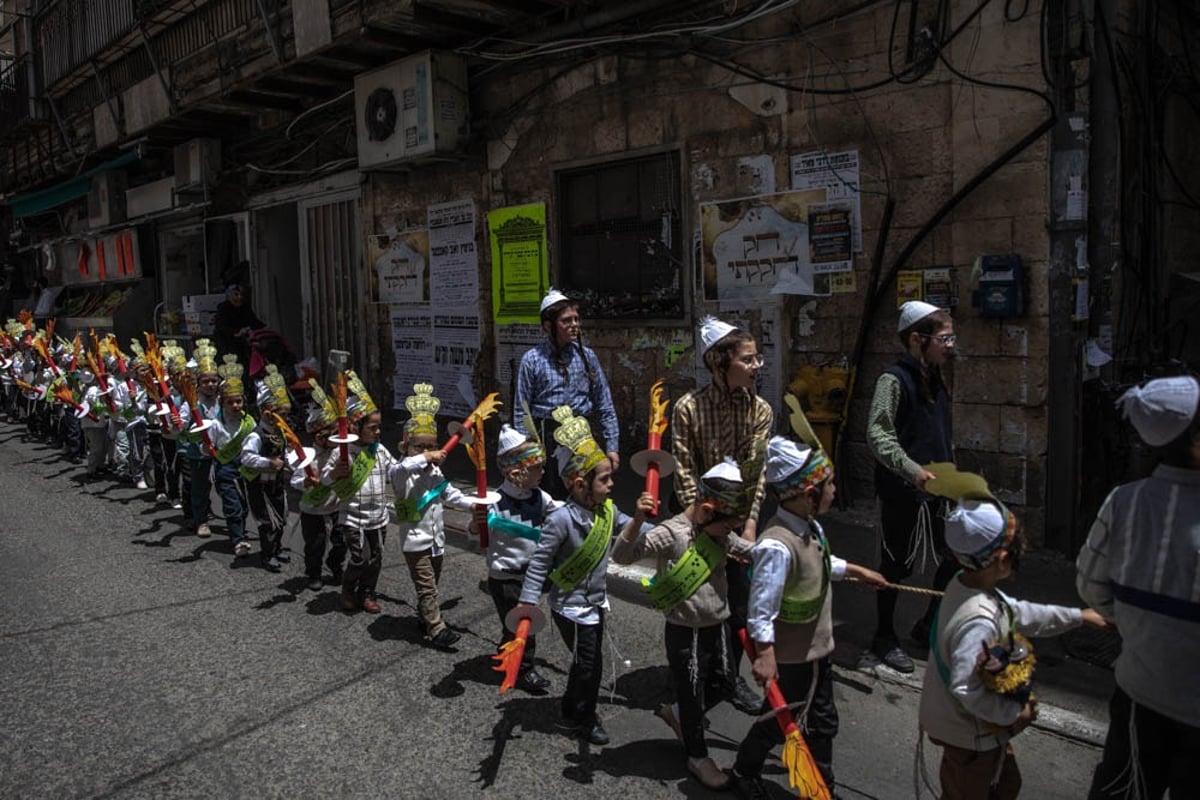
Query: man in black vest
{"x": 909, "y": 425}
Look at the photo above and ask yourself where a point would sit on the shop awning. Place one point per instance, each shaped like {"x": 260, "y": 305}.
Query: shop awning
{"x": 24, "y": 205}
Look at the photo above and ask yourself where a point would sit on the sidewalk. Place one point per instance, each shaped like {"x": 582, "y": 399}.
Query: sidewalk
{"x": 1074, "y": 674}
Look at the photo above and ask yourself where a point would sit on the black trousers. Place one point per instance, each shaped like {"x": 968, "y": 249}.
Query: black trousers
{"x": 267, "y": 496}
{"x": 701, "y": 663}
{"x": 899, "y": 521}
{"x": 583, "y": 681}
{"x": 72, "y": 435}
{"x": 366, "y": 558}
{"x": 1168, "y": 753}
{"x": 316, "y": 528}
{"x": 737, "y": 576}
{"x": 157, "y": 446}
{"x": 820, "y": 725}
{"x": 505, "y": 596}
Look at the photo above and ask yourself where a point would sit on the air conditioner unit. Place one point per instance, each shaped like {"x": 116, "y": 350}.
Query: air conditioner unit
{"x": 106, "y": 199}
{"x": 411, "y": 109}
{"x": 196, "y": 163}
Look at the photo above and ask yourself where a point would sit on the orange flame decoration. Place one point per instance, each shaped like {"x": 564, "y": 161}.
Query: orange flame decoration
{"x": 64, "y": 395}
{"x": 185, "y": 382}
{"x": 477, "y": 450}
{"x": 487, "y": 409}
{"x": 76, "y": 350}
{"x": 25, "y": 387}
{"x": 42, "y": 349}
{"x": 94, "y": 367}
{"x": 25, "y": 317}
{"x": 658, "y": 408}
{"x": 50, "y": 323}
{"x": 338, "y": 395}
{"x": 288, "y": 434}
{"x": 508, "y": 660}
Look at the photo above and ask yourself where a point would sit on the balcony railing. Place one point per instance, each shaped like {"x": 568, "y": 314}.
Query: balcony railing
{"x": 70, "y": 32}
{"x": 15, "y": 101}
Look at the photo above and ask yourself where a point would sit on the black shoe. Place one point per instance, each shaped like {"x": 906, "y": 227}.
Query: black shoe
{"x": 446, "y": 638}
{"x": 744, "y": 698}
{"x": 283, "y": 558}
{"x": 892, "y": 655}
{"x": 748, "y": 788}
{"x": 315, "y": 585}
{"x": 594, "y": 733}
{"x": 533, "y": 682}
{"x": 272, "y": 565}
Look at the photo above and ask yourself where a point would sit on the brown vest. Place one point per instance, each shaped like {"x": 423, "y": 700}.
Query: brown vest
{"x": 800, "y": 643}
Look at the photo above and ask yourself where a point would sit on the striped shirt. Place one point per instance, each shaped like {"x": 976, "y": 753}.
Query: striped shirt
{"x": 710, "y": 423}
{"x": 541, "y": 384}
{"x": 368, "y": 508}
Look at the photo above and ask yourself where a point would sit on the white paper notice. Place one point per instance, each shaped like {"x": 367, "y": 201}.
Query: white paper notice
{"x": 838, "y": 175}
{"x": 511, "y": 343}
{"x": 455, "y": 348}
{"x": 1096, "y": 357}
{"x": 454, "y": 295}
{"x": 412, "y": 346}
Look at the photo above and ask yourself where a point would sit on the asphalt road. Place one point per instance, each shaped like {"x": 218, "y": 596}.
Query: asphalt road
{"x": 138, "y": 661}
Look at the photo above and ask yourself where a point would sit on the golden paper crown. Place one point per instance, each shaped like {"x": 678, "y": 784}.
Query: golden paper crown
{"x": 361, "y": 404}
{"x": 139, "y": 353}
{"x": 231, "y": 376}
{"x": 322, "y": 412}
{"x": 424, "y": 407}
{"x": 206, "y": 356}
{"x": 575, "y": 434}
{"x": 272, "y": 391}
{"x": 173, "y": 356}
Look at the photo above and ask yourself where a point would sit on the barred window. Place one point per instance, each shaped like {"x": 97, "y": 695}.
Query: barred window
{"x": 620, "y": 241}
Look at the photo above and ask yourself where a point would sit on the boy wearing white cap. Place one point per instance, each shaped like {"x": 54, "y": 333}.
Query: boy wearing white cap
{"x": 1139, "y": 568}
{"x": 562, "y": 371}
{"x": 909, "y": 425}
{"x": 790, "y": 616}
{"x": 571, "y": 562}
{"x": 724, "y": 419}
{"x": 968, "y": 707}
{"x": 514, "y": 528}
{"x": 690, "y": 550}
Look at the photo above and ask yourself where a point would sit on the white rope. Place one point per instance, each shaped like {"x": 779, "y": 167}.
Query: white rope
{"x": 1134, "y": 786}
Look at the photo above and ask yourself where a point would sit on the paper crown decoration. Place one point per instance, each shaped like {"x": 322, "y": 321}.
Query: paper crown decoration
{"x": 913, "y": 312}
{"x": 231, "y": 377}
{"x": 1163, "y": 409}
{"x": 578, "y": 453}
{"x": 713, "y": 330}
{"x": 722, "y": 483}
{"x": 173, "y": 356}
{"x": 517, "y": 449}
{"x": 139, "y": 354}
{"x": 322, "y": 413}
{"x": 359, "y": 404}
{"x": 979, "y": 525}
{"x": 423, "y": 407}
{"x": 206, "y": 357}
{"x": 271, "y": 392}
{"x": 552, "y": 297}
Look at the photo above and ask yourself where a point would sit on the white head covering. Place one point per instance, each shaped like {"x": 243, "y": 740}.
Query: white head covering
{"x": 726, "y": 470}
{"x": 1162, "y": 409}
{"x": 552, "y": 297}
{"x": 86, "y": 376}
{"x": 510, "y": 439}
{"x": 713, "y": 330}
{"x": 974, "y": 530}
{"x": 784, "y": 457}
{"x": 913, "y": 312}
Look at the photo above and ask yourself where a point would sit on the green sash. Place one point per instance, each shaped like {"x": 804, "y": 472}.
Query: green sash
{"x": 360, "y": 470}
{"x": 505, "y": 525}
{"x": 581, "y": 563}
{"x": 687, "y": 575}
{"x": 799, "y": 610}
{"x": 233, "y": 448}
{"x": 316, "y": 496}
{"x": 410, "y": 510}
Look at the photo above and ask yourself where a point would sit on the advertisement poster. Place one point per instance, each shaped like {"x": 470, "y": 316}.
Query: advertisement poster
{"x": 754, "y": 245}
{"x": 838, "y": 175}
{"x": 940, "y": 288}
{"x": 412, "y": 346}
{"x": 829, "y": 238}
{"x": 520, "y": 262}
{"x": 908, "y": 286}
{"x": 401, "y": 262}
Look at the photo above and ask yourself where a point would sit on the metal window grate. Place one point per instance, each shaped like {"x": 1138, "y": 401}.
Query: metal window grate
{"x": 620, "y": 228}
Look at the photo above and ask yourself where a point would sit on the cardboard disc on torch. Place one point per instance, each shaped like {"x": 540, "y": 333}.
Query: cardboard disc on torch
{"x": 462, "y": 432}
{"x": 82, "y": 411}
{"x": 537, "y": 619}
{"x": 349, "y": 438}
{"x": 161, "y": 410}
{"x": 489, "y": 499}
{"x": 296, "y": 463}
{"x": 642, "y": 460}
{"x": 201, "y": 426}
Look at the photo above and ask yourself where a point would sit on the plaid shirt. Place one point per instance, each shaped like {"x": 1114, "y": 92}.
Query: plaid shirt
{"x": 541, "y": 384}
{"x": 710, "y": 423}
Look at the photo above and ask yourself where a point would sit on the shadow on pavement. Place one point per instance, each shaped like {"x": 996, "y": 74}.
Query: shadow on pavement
{"x": 527, "y": 714}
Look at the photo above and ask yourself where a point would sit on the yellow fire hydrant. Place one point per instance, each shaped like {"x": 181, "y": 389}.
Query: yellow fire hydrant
{"x": 822, "y": 395}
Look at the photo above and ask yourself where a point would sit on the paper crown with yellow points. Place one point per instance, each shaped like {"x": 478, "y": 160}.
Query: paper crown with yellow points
{"x": 359, "y": 403}
{"x": 231, "y": 377}
{"x": 272, "y": 393}
{"x": 206, "y": 357}
{"x": 322, "y": 413}
{"x": 578, "y": 452}
{"x": 424, "y": 407}
{"x": 173, "y": 357}
{"x": 139, "y": 354}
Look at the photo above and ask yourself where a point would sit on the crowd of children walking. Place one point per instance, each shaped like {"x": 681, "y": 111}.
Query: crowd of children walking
{"x": 192, "y": 422}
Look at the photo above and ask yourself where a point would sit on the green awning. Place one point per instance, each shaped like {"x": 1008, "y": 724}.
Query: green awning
{"x": 24, "y": 205}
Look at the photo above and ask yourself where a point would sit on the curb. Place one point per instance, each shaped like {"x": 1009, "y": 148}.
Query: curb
{"x": 626, "y": 583}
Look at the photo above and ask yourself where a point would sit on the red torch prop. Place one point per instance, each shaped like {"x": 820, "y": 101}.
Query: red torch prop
{"x": 186, "y": 383}
{"x": 654, "y": 462}
{"x": 96, "y": 363}
{"x": 301, "y": 457}
{"x": 460, "y": 431}
{"x": 803, "y": 774}
{"x": 478, "y": 454}
{"x": 523, "y": 622}
{"x": 344, "y": 437}
{"x": 154, "y": 360}
{"x": 114, "y": 350}
{"x": 64, "y": 395}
